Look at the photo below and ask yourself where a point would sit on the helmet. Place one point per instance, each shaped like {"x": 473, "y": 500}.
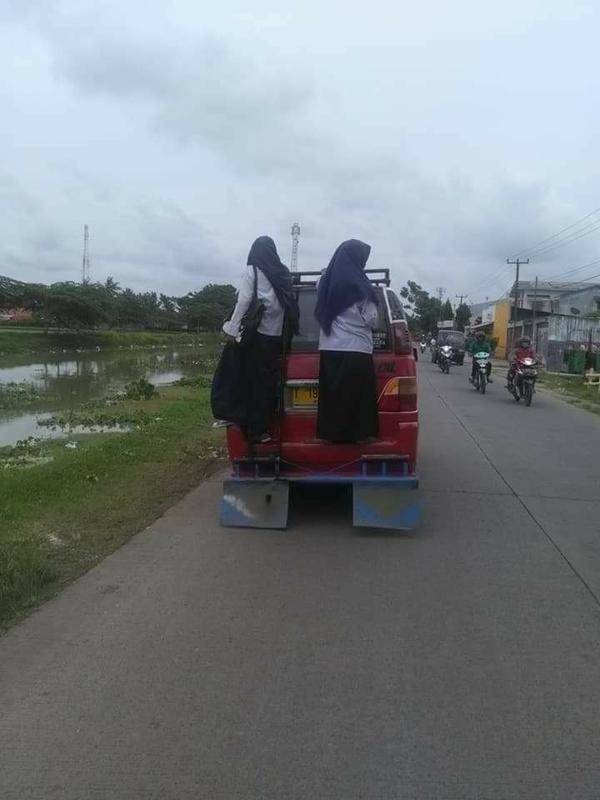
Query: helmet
{"x": 480, "y": 336}
{"x": 524, "y": 341}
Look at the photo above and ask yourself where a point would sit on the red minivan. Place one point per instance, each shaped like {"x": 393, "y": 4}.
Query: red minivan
{"x": 379, "y": 471}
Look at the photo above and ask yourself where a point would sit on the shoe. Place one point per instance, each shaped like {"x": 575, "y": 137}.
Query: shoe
{"x": 490, "y": 380}
{"x": 264, "y": 438}
{"x": 221, "y": 423}
{"x": 470, "y": 380}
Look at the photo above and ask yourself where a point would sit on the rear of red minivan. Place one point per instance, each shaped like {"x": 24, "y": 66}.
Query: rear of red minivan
{"x": 296, "y": 454}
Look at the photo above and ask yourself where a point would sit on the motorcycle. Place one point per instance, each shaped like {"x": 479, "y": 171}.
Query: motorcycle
{"x": 445, "y": 358}
{"x": 522, "y": 385}
{"x": 423, "y": 346}
{"x": 480, "y": 379}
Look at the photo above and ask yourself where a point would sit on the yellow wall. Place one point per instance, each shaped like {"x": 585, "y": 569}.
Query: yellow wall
{"x": 500, "y": 326}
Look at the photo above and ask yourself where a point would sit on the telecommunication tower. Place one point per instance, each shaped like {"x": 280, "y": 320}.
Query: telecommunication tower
{"x": 85, "y": 265}
{"x": 295, "y": 238}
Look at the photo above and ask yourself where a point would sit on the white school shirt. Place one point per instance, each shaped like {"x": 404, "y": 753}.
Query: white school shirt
{"x": 352, "y": 330}
{"x": 271, "y": 323}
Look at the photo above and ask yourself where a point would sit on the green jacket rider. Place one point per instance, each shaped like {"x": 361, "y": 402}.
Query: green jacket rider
{"x": 480, "y": 345}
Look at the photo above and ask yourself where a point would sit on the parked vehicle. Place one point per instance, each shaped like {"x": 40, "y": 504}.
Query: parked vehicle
{"x": 522, "y": 385}
{"x": 480, "y": 378}
{"x": 445, "y": 358}
{"x": 378, "y": 471}
{"x": 456, "y": 340}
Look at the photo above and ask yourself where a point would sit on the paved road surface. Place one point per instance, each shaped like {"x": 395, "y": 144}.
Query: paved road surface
{"x": 462, "y": 662}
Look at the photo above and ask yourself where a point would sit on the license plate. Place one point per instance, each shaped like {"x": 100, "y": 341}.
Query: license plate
{"x": 305, "y": 396}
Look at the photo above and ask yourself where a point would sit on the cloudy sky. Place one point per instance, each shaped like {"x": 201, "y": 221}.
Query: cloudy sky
{"x": 448, "y": 135}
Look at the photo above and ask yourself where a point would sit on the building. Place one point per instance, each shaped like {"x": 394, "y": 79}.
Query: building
{"x": 492, "y": 318}
{"x": 559, "y": 317}
{"x": 583, "y": 302}
{"x": 557, "y": 298}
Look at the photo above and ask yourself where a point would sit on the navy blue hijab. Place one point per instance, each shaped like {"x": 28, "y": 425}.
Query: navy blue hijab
{"x": 263, "y": 255}
{"x": 344, "y": 282}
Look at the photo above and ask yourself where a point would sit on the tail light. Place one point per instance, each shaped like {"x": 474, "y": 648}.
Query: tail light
{"x": 399, "y": 394}
{"x": 401, "y": 339}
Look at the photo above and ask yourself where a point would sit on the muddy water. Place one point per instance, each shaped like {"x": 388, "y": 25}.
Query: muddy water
{"x": 64, "y": 381}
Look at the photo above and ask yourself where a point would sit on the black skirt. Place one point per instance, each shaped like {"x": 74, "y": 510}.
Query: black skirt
{"x": 347, "y": 397}
{"x": 261, "y": 369}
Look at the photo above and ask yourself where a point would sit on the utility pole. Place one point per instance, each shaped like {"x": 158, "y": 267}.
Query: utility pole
{"x": 517, "y": 262}
{"x": 85, "y": 265}
{"x": 459, "y": 297}
{"x": 533, "y": 320}
{"x": 295, "y": 238}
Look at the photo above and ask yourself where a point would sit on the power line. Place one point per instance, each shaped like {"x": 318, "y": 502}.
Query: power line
{"x": 489, "y": 281}
{"x": 572, "y": 271}
{"x": 561, "y": 242}
{"x": 555, "y": 235}
{"x": 492, "y": 281}
{"x": 588, "y": 278}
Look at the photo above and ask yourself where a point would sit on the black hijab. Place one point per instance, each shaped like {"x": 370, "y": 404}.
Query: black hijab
{"x": 263, "y": 255}
{"x": 344, "y": 282}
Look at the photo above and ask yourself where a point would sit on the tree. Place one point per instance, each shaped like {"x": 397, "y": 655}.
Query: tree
{"x": 15, "y": 294}
{"x": 71, "y": 309}
{"x": 462, "y": 316}
{"x": 87, "y": 305}
{"x": 423, "y": 311}
{"x": 208, "y": 308}
{"x": 447, "y": 312}
{"x": 112, "y": 286}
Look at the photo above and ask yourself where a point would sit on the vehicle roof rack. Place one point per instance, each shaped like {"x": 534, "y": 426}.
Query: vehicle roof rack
{"x": 379, "y": 277}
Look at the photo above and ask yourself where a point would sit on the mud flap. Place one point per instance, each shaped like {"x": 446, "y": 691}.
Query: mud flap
{"x": 254, "y": 504}
{"x": 386, "y": 505}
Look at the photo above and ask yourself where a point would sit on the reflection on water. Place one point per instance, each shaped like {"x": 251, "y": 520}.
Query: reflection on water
{"x": 65, "y": 381}
{"x": 26, "y": 425}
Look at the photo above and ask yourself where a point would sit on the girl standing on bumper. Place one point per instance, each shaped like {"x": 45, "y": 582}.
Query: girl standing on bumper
{"x": 347, "y": 314}
{"x": 262, "y": 354}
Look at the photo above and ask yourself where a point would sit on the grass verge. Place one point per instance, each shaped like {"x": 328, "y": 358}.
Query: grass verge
{"x": 572, "y": 389}
{"x": 63, "y": 508}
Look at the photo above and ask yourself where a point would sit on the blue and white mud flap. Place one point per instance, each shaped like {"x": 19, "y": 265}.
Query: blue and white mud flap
{"x": 254, "y": 503}
{"x": 391, "y": 505}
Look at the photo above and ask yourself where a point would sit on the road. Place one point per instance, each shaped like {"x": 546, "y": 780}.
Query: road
{"x": 461, "y": 662}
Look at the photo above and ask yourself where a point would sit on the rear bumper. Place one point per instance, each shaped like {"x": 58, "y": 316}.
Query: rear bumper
{"x": 406, "y": 481}
{"x": 302, "y": 452}
{"x": 394, "y": 470}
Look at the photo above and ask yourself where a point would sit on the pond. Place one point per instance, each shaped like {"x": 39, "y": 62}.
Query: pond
{"x": 63, "y": 381}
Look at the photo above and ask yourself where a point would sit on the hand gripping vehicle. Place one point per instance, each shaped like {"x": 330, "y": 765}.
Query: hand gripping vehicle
{"x": 381, "y": 472}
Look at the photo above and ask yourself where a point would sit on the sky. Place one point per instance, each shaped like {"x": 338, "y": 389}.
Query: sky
{"x": 448, "y": 135}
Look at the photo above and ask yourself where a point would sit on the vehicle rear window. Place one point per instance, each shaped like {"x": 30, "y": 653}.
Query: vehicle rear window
{"x": 395, "y": 306}
{"x": 308, "y": 338}
{"x": 454, "y": 338}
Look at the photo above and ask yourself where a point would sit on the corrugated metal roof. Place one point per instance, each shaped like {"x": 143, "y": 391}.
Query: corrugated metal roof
{"x": 556, "y": 286}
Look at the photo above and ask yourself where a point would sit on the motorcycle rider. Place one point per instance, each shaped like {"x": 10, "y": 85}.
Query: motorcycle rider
{"x": 480, "y": 345}
{"x": 524, "y": 349}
